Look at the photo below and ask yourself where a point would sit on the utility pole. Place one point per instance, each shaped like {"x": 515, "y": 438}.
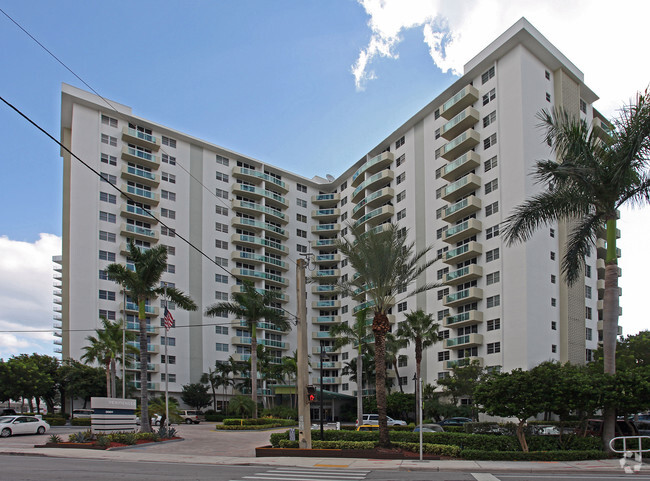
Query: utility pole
{"x": 304, "y": 414}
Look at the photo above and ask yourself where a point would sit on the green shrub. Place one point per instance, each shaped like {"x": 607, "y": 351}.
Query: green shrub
{"x": 103, "y": 441}
{"x": 281, "y": 412}
{"x": 438, "y": 449}
{"x": 55, "y": 420}
{"x": 80, "y": 421}
{"x": 532, "y": 456}
{"x": 81, "y": 437}
{"x": 54, "y": 439}
{"x": 245, "y": 427}
{"x": 454, "y": 429}
{"x": 259, "y": 422}
{"x": 214, "y": 417}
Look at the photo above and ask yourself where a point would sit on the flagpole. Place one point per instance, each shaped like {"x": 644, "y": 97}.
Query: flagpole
{"x": 166, "y": 364}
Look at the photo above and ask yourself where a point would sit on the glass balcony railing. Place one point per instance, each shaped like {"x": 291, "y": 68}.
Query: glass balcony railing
{"x": 262, "y": 225}
{"x": 325, "y": 242}
{"x": 141, "y": 154}
{"x": 260, "y": 208}
{"x": 135, "y": 326}
{"x": 134, "y": 209}
{"x": 141, "y": 173}
{"x": 325, "y": 319}
{"x": 325, "y": 197}
{"x": 263, "y": 275}
{"x": 266, "y": 193}
{"x": 323, "y": 334}
{"x": 458, "y": 341}
{"x": 329, "y": 303}
{"x": 141, "y": 135}
{"x": 386, "y": 174}
{"x": 273, "y": 343}
{"x": 384, "y": 157}
{"x": 263, "y": 176}
{"x": 327, "y": 273}
{"x": 135, "y": 229}
{"x": 262, "y": 258}
{"x": 325, "y": 288}
{"x": 141, "y": 192}
{"x": 260, "y": 241}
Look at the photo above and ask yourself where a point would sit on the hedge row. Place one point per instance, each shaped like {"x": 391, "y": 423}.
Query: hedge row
{"x": 259, "y": 421}
{"x": 55, "y": 420}
{"x": 245, "y": 427}
{"x": 441, "y": 450}
{"x": 476, "y": 454}
{"x": 80, "y": 421}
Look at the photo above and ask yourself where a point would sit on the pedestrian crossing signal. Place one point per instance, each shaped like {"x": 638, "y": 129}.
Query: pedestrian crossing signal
{"x": 311, "y": 394}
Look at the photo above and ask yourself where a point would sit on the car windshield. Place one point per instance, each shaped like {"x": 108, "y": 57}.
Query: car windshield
{"x": 6, "y": 419}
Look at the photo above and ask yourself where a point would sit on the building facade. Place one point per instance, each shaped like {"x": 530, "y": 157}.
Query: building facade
{"x": 449, "y": 176}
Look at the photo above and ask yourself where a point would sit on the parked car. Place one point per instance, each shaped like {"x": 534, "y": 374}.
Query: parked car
{"x": 458, "y": 421}
{"x": 623, "y": 428}
{"x": 8, "y": 412}
{"x": 190, "y": 416}
{"x": 368, "y": 427}
{"x": 429, "y": 428}
{"x": 156, "y": 419}
{"x": 374, "y": 419}
{"x": 10, "y": 425}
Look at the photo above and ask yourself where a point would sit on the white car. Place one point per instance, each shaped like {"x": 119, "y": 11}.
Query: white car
{"x": 10, "y": 425}
{"x": 374, "y": 419}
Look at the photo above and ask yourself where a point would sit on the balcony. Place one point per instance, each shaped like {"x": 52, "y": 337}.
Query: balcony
{"x": 251, "y": 256}
{"x": 473, "y": 294}
{"x": 135, "y": 326}
{"x": 466, "y": 361}
{"x": 281, "y": 297}
{"x": 326, "y": 365}
{"x": 460, "y": 166}
{"x": 325, "y": 214}
{"x": 601, "y": 247}
{"x": 145, "y": 158}
{"x": 462, "y": 253}
{"x": 260, "y": 391}
{"x": 462, "y": 187}
{"x": 271, "y": 197}
{"x": 463, "y": 99}
{"x": 257, "y": 176}
{"x": 133, "y": 136}
{"x": 253, "y": 241}
{"x": 460, "y": 231}
{"x": 141, "y": 176}
{"x": 325, "y": 289}
{"x": 253, "y": 208}
{"x": 150, "y": 347}
{"x": 324, "y": 244}
{"x": 132, "y": 308}
{"x": 464, "y": 274}
{"x": 151, "y": 386}
{"x": 461, "y": 209}
{"x": 253, "y": 275}
{"x": 326, "y": 200}
{"x": 322, "y": 335}
{"x": 463, "y": 342}
{"x": 327, "y": 349}
{"x": 326, "y": 304}
{"x": 376, "y": 198}
{"x": 257, "y": 225}
{"x": 376, "y": 216}
{"x": 141, "y": 195}
{"x": 326, "y": 319}
{"x": 324, "y": 259}
{"x": 137, "y": 232}
{"x": 138, "y": 213}
{"x": 461, "y": 144}
{"x": 372, "y": 166}
{"x": 600, "y": 328}
{"x": 326, "y": 380}
{"x": 136, "y": 367}
{"x": 601, "y": 128}
{"x": 326, "y": 275}
{"x": 326, "y": 229}
{"x": 461, "y": 122}
{"x": 374, "y": 182}
{"x": 463, "y": 319}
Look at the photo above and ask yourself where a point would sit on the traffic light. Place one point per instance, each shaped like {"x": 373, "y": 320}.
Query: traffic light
{"x": 311, "y": 394}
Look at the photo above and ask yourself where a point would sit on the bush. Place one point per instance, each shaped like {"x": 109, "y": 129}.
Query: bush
{"x": 245, "y": 427}
{"x": 54, "y": 420}
{"x": 439, "y": 449}
{"x": 81, "y": 437}
{"x": 80, "y": 422}
{"x": 531, "y": 456}
{"x": 281, "y": 412}
{"x": 214, "y": 417}
{"x": 258, "y": 422}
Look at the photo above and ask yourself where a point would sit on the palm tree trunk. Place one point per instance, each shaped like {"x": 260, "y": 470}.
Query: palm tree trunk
{"x": 399, "y": 382}
{"x": 359, "y": 386}
{"x": 418, "y": 373}
{"x": 107, "y": 367}
{"x": 113, "y": 375}
{"x": 379, "y": 324}
{"x": 145, "y": 424}
{"x": 254, "y": 368}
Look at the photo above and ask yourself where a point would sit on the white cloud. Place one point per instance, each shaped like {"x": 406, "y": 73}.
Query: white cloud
{"x": 26, "y": 287}
{"x": 602, "y": 41}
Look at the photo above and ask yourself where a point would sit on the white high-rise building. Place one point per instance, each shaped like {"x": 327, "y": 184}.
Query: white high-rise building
{"x": 449, "y": 175}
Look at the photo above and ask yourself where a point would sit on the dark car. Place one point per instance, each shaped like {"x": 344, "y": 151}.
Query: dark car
{"x": 8, "y": 412}
{"x": 459, "y": 421}
{"x": 623, "y": 428}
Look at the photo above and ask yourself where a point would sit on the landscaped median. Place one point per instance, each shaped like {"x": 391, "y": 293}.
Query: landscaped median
{"x": 440, "y": 445}
{"x": 254, "y": 424}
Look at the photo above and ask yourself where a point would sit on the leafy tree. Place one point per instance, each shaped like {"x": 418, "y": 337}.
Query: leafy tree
{"x": 631, "y": 352}
{"x": 143, "y": 284}
{"x": 462, "y": 381}
{"x": 592, "y": 177}
{"x": 196, "y": 395}
{"x": 384, "y": 263}
{"x": 50, "y": 366}
{"x": 422, "y": 330}
{"x": 157, "y": 405}
{"x": 252, "y": 307}
{"x": 79, "y": 381}
{"x": 400, "y": 404}
{"x": 241, "y": 406}
{"x": 26, "y": 379}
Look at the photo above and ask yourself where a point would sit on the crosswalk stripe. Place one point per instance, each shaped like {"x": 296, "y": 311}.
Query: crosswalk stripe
{"x": 308, "y": 474}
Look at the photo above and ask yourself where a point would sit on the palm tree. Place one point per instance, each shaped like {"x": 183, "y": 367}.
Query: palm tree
{"x": 143, "y": 284}
{"x": 359, "y": 335}
{"x": 252, "y": 306}
{"x": 422, "y": 330}
{"x": 592, "y": 177}
{"x": 289, "y": 368}
{"x": 106, "y": 348}
{"x": 384, "y": 263}
{"x": 393, "y": 346}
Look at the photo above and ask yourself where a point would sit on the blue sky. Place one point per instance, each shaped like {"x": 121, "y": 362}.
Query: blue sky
{"x": 308, "y": 86}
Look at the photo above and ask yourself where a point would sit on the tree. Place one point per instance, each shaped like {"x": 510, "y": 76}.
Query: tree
{"x": 77, "y": 380}
{"x": 217, "y": 378}
{"x": 385, "y": 263}
{"x": 252, "y": 307}
{"x": 359, "y": 335}
{"x": 592, "y": 177}
{"x": 393, "y": 347}
{"x": 196, "y": 395}
{"x": 143, "y": 284}
{"x": 48, "y": 365}
{"x": 241, "y": 406}
{"x": 631, "y": 352}
{"x": 106, "y": 348}
{"x": 422, "y": 330}
{"x": 462, "y": 381}
{"x": 157, "y": 405}
{"x": 289, "y": 369}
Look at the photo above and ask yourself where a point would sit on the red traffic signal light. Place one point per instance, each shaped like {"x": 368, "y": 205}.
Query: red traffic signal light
{"x": 311, "y": 394}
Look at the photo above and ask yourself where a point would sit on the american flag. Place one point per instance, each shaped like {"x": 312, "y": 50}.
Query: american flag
{"x": 168, "y": 319}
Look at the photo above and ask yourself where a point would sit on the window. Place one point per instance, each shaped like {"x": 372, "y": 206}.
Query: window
{"x": 223, "y": 314}
{"x": 490, "y": 141}
{"x": 221, "y": 193}
{"x": 441, "y": 231}
{"x": 547, "y": 74}
{"x": 218, "y": 209}
{"x": 344, "y": 201}
{"x": 168, "y": 142}
{"x": 402, "y": 306}
{"x": 110, "y": 121}
{"x": 490, "y": 118}
{"x": 399, "y": 142}
{"x": 491, "y": 209}
{"x": 553, "y": 326}
{"x": 221, "y": 261}
{"x": 107, "y": 217}
{"x": 106, "y": 197}
{"x": 588, "y": 271}
{"x": 164, "y": 230}
{"x": 494, "y": 301}
{"x": 442, "y": 293}
{"x": 165, "y": 194}
{"x": 553, "y": 302}
{"x": 443, "y": 375}
{"x": 172, "y": 377}
{"x": 492, "y": 255}
{"x": 489, "y": 97}
{"x": 493, "y": 278}
{"x": 438, "y": 152}
{"x": 301, "y": 203}
{"x": 437, "y": 133}
{"x": 588, "y": 292}
{"x": 491, "y": 186}
{"x": 107, "y": 295}
{"x": 552, "y": 232}
{"x": 107, "y": 139}
{"x": 171, "y": 250}
{"x": 400, "y": 160}
{"x": 583, "y": 106}
{"x": 401, "y": 214}
{"x": 493, "y": 347}
{"x": 110, "y": 315}
{"x": 301, "y": 218}
{"x": 170, "y": 214}
{"x": 108, "y": 159}
{"x": 221, "y": 347}
{"x": 553, "y": 348}
{"x": 404, "y": 380}
{"x": 588, "y": 334}
{"x": 220, "y": 227}
{"x": 441, "y": 251}
{"x": 400, "y": 178}
{"x": 168, "y": 159}
{"x": 344, "y": 186}
{"x": 301, "y": 188}
{"x": 219, "y": 244}
{"x": 221, "y": 176}
{"x": 436, "y": 114}
{"x": 490, "y": 164}
{"x": 401, "y": 196}
{"x": 107, "y": 256}
{"x": 222, "y": 160}
{"x": 548, "y": 99}
{"x": 301, "y": 233}
{"x": 344, "y": 310}
{"x": 402, "y": 361}
{"x": 221, "y": 278}
{"x": 494, "y": 324}
{"x": 588, "y": 312}
{"x": 111, "y": 179}
{"x": 589, "y": 355}
{"x": 221, "y": 296}
{"x": 442, "y": 314}
{"x": 552, "y": 255}
{"x": 492, "y": 232}
{"x": 344, "y": 216}
{"x": 553, "y": 279}
{"x": 444, "y": 334}
{"x": 171, "y": 268}
{"x": 301, "y": 248}
{"x": 169, "y": 360}
{"x": 443, "y": 356}
{"x": 103, "y": 275}
{"x": 487, "y": 75}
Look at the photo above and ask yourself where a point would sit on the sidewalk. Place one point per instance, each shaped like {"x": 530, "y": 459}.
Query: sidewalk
{"x": 138, "y": 455}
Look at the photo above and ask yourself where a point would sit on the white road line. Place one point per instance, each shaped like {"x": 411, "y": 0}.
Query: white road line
{"x": 285, "y": 478}
{"x": 484, "y": 477}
